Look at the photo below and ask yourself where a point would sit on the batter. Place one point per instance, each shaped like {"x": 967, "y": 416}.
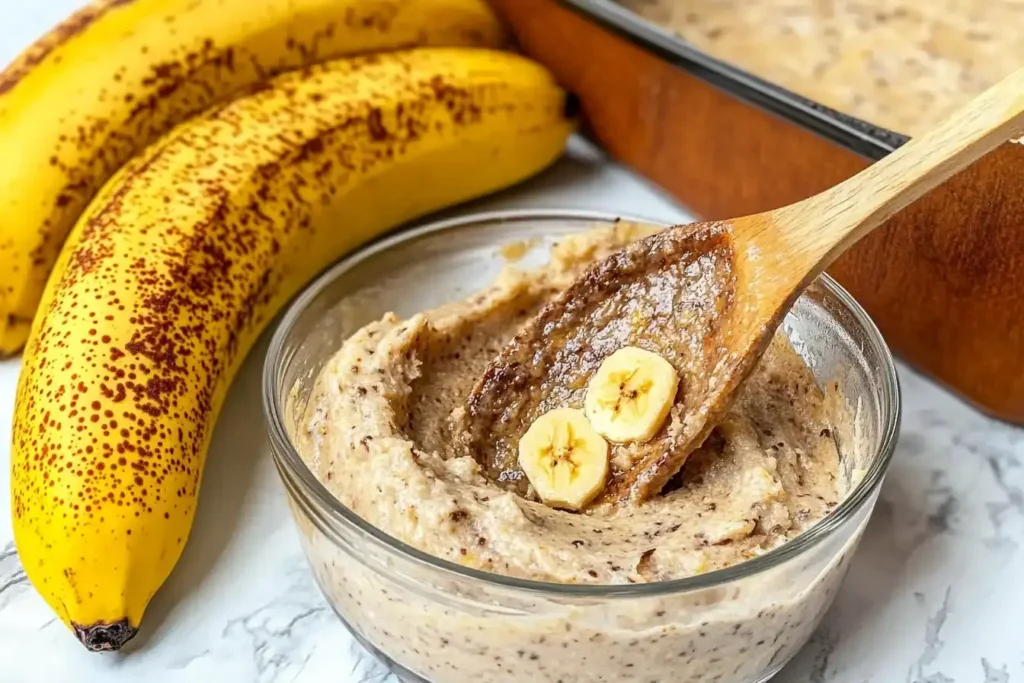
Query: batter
{"x": 383, "y": 434}
{"x": 901, "y": 65}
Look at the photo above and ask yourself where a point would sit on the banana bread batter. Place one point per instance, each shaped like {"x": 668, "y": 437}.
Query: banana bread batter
{"x": 382, "y": 430}
{"x": 903, "y": 65}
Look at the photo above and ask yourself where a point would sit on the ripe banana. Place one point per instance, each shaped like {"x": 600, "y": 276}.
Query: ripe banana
{"x": 189, "y": 251}
{"x": 115, "y": 76}
{"x": 630, "y": 395}
{"x": 565, "y": 460}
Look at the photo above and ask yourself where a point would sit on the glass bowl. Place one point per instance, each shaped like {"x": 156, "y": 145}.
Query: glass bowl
{"x": 432, "y": 620}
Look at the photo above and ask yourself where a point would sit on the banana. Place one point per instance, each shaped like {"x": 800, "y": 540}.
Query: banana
{"x": 565, "y": 460}
{"x": 630, "y": 395}
{"x": 112, "y": 78}
{"x": 188, "y": 252}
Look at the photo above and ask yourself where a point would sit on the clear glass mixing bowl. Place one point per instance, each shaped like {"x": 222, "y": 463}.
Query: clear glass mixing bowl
{"x": 432, "y": 620}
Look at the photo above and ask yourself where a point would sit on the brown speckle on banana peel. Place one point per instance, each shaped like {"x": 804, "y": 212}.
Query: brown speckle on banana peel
{"x": 79, "y": 103}
{"x": 57, "y": 36}
{"x": 183, "y": 258}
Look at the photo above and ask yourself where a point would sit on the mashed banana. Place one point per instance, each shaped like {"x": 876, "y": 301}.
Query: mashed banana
{"x": 380, "y": 434}
{"x": 901, "y": 65}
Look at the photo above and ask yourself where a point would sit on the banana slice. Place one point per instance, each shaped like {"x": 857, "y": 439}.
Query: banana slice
{"x": 630, "y": 395}
{"x": 564, "y": 458}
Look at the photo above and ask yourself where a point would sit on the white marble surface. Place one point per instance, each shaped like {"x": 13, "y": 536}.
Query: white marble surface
{"x": 933, "y": 595}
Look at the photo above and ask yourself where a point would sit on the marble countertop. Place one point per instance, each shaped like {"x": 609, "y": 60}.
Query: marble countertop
{"x": 932, "y": 596}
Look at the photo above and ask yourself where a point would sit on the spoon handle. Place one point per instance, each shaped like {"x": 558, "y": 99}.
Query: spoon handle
{"x": 826, "y": 224}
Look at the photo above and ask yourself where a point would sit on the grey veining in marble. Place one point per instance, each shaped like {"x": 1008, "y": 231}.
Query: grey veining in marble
{"x": 931, "y": 596}
{"x": 12, "y": 576}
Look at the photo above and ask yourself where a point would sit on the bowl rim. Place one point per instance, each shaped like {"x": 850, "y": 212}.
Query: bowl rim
{"x": 326, "y": 511}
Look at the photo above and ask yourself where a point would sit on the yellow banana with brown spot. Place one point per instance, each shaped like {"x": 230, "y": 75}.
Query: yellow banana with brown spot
{"x": 188, "y": 252}
{"x": 99, "y": 87}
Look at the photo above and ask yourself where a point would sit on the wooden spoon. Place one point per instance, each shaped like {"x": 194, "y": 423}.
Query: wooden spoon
{"x": 708, "y": 297}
